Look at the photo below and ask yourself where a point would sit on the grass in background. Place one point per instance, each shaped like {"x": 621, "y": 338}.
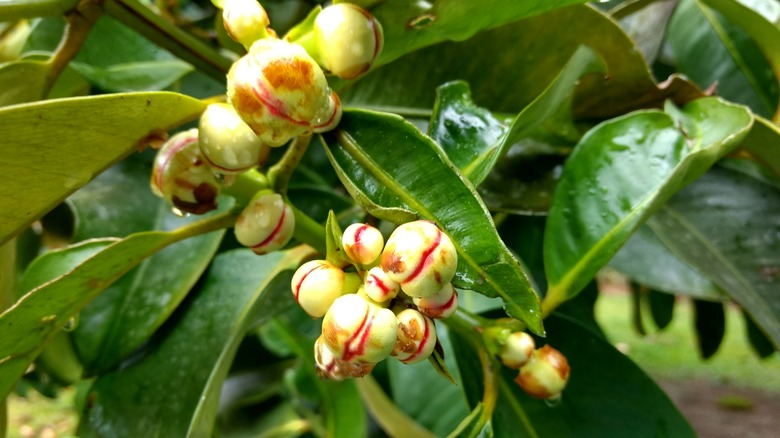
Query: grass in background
{"x": 672, "y": 353}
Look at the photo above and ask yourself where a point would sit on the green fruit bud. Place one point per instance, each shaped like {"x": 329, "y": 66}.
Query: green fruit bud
{"x": 416, "y": 337}
{"x": 266, "y": 224}
{"x": 378, "y": 286}
{"x": 348, "y": 39}
{"x": 245, "y": 21}
{"x": 356, "y": 330}
{"x": 420, "y": 257}
{"x": 279, "y": 91}
{"x": 517, "y": 349}
{"x": 316, "y": 285}
{"x": 440, "y": 305}
{"x": 362, "y": 243}
{"x": 545, "y": 375}
{"x": 227, "y": 143}
{"x": 181, "y": 176}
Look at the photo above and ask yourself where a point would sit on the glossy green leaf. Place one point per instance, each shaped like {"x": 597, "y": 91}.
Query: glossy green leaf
{"x": 709, "y": 319}
{"x": 41, "y": 313}
{"x": 334, "y": 252}
{"x": 174, "y": 390}
{"x": 661, "y": 307}
{"x": 438, "y": 405}
{"x": 117, "y": 203}
{"x": 474, "y": 139}
{"x": 594, "y": 403}
{"x": 22, "y": 82}
{"x": 410, "y": 25}
{"x": 758, "y": 340}
{"x": 619, "y": 174}
{"x": 647, "y": 261}
{"x": 763, "y": 143}
{"x": 12, "y": 10}
{"x": 756, "y": 19}
{"x": 709, "y": 49}
{"x": 114, "y": 57}
{"x": 366, "y": 149}
{"x": 726, "y": 225}
{"x": 128, "y": 312}
{"x": 407, "y": 86}
{"x": 52, "y": 148}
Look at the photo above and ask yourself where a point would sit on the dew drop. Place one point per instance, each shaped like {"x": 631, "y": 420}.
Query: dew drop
{"x": 71, "y": 324}
{"x": 178, "y": 212}
{"x": 553, "y": 401}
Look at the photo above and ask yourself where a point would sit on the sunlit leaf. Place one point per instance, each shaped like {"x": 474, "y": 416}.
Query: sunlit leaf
{"x": 368, "y": 146}
{"x": 22, "y": 81}
{"x": 52, "y": 148}
{"x": 620, "y": 173}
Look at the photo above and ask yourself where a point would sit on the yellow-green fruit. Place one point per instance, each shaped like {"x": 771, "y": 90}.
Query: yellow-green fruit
{"x": 517, "y": 349}
{"x": 545, "y": 374}
{"x": 362, "y": 243}
{"x": 420, "y": 257}
{"x": 227, "y": 143}
{"x": 356, "y": 330}
{"x": 440, "y": 305}
{"x": 416, "y": 337}
{"x": 245, "y": 21}
{"x": 266, "y": 224}
{"x": 279, "y": 91}
{"x": 348, "y": 38}
{"x": 316, "y": 285}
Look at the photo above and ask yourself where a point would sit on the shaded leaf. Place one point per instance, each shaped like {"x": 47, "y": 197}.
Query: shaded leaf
{"x": 113, "y": 57}
{"x": 38, "y": 173}
{"x": 758, "y": 340}
{"x": 763, "y": 143}
{"x": 369, "y": 145}
{"x": 594, "y": 403}
{"x": 41, "y": 313}
{"x": 661, "y": 307}
{"x": 438, "y": 405}
{"x": 710, "y": 325}
{"x": 711, "y": 50}
{"x": 727, "y": 225}
{"x": 174, "y": 390}
{"x": 619, "y": 174}
{"x": 649, "y": 262}
{"x": 407, "y": 86}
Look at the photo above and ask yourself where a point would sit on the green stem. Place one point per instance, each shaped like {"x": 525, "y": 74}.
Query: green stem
{"x": 79, "y": 22}
{"x": 470, "y": 327}
{"x": 390, "y": 418}
{"x": 309, "y": 231}
{"x": 166, "y": 35}
{"x": 13, "y": 10}
{"x": 245, "y": 186}
{"x": 279, "y": 174}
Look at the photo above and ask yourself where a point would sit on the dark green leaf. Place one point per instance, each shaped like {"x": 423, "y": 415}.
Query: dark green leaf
{"x": 468, "y": 133}
{"x": 33, "y": 320}
{"x": 727, "y": 225}
{"x": 407, "y": 85}
{"x": 711, "y": 50}
{"x": 647, "y": 261}
{"x": 91, "y": 134}
{"x": 619, "y": 174}
{"x": 710, "y": 324}
{"x": 763, "y": 143}
{"x": 595, "y": 401}
{"x": 371, "y": 144}
{"x": 758, "y": 340}
{"x": 410, "y": 25}
{"x": 174, "y": 390}
{"x": 334, "y": 253}
{"x": 636, "y": 308}
{"x": 661, "y": 307}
